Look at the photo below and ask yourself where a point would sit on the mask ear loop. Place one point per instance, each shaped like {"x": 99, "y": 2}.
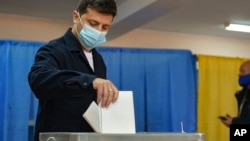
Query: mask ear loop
{"x": 79, "y": 17}
{"x": 77, "y": 32}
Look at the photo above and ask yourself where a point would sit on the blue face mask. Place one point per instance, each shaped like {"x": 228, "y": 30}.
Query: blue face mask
{"x": 90, "y": 37}
{"x": 244, "y": 80}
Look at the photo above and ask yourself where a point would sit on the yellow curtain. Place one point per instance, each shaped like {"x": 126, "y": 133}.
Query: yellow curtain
{"x": 217, "y": 84}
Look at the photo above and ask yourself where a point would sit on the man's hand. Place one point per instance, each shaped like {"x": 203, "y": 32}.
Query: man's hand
{"x": 106, "y": 91}
{"x": 228, "y": 120}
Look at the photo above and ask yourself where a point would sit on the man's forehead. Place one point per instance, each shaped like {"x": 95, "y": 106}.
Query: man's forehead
{"x": 98, "y": 17}
{"x": 246, "y": 65}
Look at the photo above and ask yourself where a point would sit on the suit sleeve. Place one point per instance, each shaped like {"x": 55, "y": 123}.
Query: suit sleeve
{"x": 241, "y": 120}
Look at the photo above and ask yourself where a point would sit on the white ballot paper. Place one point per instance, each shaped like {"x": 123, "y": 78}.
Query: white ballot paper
{"x": 117, "y": 118}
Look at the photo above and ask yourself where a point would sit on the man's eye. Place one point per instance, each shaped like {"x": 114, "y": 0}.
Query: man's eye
{"x": 105, "y": 29}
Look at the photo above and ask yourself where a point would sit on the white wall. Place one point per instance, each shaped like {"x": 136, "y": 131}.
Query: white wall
{"x": 27, "y": 28}
{"x": 35, "y": 29}
{"x": 197, "y": 44}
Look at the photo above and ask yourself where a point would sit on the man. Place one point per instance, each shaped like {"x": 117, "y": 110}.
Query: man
{"x": 68, "y": 73}
{"x": 243, "y": 98}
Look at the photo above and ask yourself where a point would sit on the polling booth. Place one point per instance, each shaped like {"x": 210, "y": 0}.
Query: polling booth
{"x": 154, "y": 76}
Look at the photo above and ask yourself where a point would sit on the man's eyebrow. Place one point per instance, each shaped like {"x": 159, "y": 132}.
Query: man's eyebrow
{"x": 92, "y": 20}
{"x": 106, "y": 25}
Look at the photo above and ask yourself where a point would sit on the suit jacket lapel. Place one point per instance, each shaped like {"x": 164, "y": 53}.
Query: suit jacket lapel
{"x": 85, "y": 60}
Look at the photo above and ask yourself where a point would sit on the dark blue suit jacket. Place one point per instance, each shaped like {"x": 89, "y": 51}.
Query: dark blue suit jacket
{"x": 244, "y": 116}
{"x": 61, "y": 78}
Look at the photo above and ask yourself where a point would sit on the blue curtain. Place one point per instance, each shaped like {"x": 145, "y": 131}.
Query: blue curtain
{"x": 17, "y": 103}
{"x": 163, "y": 83}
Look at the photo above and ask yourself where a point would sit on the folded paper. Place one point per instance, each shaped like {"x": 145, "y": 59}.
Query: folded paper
{"x": 117, "y": 118}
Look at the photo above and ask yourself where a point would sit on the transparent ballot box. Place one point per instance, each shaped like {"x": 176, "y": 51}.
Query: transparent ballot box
{"x": 121, "y": 137}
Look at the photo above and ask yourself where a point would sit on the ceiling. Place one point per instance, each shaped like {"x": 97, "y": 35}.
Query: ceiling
{"x": 198, "y": 17}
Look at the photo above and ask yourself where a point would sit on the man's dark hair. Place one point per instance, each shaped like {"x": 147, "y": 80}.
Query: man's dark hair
{"x": 102, "y": 6}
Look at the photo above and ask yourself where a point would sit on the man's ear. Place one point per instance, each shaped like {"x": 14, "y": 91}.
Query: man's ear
{"x": 75, "y": 17}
